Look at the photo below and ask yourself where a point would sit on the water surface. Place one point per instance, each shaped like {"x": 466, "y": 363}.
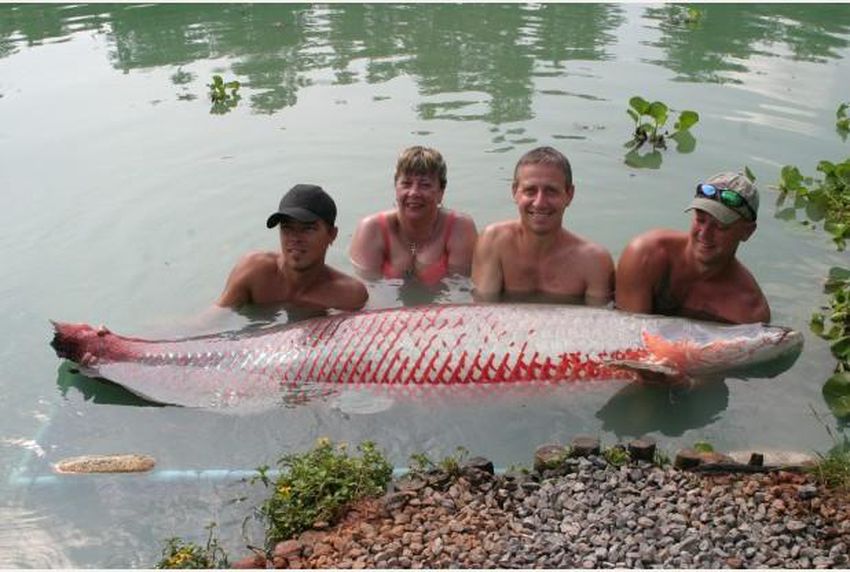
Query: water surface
{"x": 128, "y": 200}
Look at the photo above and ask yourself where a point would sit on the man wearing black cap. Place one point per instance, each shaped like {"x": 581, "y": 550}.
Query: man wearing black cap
{"x": 696, "y": 274}
{"x": 297, "y": 274}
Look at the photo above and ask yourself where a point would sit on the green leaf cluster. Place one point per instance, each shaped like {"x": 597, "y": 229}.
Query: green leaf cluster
{"x": 651, "y": 119}
{"x": 616, "y": 455}
{"x": 825, "y": 200}
{"x": 317, "y": 485}
{"x": 222, "y": 101}
{"x": 833, "y": 325}
{"x": 179, "y": 554}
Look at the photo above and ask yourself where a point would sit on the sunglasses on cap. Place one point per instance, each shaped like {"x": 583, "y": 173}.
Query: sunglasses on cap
{"x": 726, "y": 197}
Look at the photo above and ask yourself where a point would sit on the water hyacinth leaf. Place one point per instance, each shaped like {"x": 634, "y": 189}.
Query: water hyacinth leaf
{"x": 658, "y": 111}
{"x": 836, "y": 274}
{"x": 801, "y": 201}
{"x": 749, "y": 174}
{"x": 842, "y": 111}
{"x": 826, "y": 167}
{"x": 633, "y": 115}
{"x": 836, "y": 393}
{"x": 791, "y": 178}
{"x": 835, "y": 228}
{"x": 687, "y": 119}
{"x": 841, "y": 348}
{"x": 639, "y": 104}
{"x": 816, "y": 208}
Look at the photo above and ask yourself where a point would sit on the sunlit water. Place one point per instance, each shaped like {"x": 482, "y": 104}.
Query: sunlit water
{"x": 127, "y": 202}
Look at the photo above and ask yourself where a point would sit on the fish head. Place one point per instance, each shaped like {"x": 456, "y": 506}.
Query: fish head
{"x": 700, "y": 348}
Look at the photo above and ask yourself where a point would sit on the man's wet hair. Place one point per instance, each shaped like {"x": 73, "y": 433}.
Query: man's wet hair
{"x": 418, "y": 160}
{"x": 546, "y": 156}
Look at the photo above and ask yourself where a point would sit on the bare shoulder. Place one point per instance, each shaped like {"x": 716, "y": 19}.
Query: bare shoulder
{"x": 257, "y": 262}
{"x": 654, "y": 246}
{"x": 500, "y": 231}
{"x": 656, "y": 238}
{"x": 373, "y": 221}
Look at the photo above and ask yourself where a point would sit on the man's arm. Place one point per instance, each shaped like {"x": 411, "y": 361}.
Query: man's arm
{"x": 487, "y": 276}
{"x": 638, "y": 269}
{"x": 367, "y": 248}
{"x": 600, "y": 277}
{"x": 237, "y": 290}
{"x": 461, "y": 245}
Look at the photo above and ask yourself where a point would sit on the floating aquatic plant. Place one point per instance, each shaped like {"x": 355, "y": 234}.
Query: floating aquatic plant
{"x": 825, "y": 200}
{"x": 651, "y": 119}
{"x": 223, "y": 94}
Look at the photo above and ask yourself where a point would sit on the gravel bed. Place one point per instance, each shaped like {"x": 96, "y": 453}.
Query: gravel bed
{"x": 590, "y": 515}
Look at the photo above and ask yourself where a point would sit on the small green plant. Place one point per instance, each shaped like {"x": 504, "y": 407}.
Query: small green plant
{"x": 833, "y": 468}
{"x": 703, "y": 447}
{"x": 222, "y": 101}
{"x": 824, "y": 200}
{"x": 616, "y": 455}
{"x": 179, "y": 554}
{"x": 661, "y": 459}
{"x": 319, "y": 484}
{"x": 842, "y": 120}
{"x": 650, "y": 121}
{"x": 450, "y": 465}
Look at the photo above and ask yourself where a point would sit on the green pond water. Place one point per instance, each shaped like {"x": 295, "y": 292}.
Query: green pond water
{"x": 127, "y": 198}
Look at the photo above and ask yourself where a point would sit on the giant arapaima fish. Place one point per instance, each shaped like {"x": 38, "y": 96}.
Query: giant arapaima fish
{"x": 441, "y": 344}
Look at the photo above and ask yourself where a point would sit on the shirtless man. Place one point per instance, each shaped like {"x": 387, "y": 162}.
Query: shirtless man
{"x": 695, "y": 274}
{"x": 297, "y": 274}
{"x": 535, "y": 258}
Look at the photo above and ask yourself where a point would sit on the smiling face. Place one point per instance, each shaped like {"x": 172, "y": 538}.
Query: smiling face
{"x": 304, "y": 244}
{"x": 713, "y": 243}
{"x": 541, "y": 193}
{"x": 418, "y": 196}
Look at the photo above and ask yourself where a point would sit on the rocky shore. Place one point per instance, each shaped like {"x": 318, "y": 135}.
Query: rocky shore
{"x": 586, "y": 513}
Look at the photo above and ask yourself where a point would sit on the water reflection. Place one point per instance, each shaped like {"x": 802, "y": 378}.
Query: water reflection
{"x": 489, "y": 50}
{"x": 639, "y": 409}
{"x": 717, "y": 47}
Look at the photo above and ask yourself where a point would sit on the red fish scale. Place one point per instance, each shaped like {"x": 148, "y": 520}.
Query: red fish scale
{"x": 395, "y": 348}
{"x": 374, "y": 355}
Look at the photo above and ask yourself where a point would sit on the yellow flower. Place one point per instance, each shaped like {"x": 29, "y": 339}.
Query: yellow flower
{"x": 323, "y": 442}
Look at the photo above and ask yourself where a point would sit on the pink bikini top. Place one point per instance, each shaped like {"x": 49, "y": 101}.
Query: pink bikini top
{"x": 430, "y": 274}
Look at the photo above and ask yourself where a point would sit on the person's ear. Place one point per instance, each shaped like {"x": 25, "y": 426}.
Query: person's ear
{"x": 571, "y": 191}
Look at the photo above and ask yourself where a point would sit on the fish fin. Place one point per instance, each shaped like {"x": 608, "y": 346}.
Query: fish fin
{"x": 649, "y": 372}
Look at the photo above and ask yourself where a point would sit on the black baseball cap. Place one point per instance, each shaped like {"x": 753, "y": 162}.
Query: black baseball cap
{"x": 305, "y": 203}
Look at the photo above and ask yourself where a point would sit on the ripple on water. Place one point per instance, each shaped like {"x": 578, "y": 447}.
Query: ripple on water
{"x": 39, "y": 550}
